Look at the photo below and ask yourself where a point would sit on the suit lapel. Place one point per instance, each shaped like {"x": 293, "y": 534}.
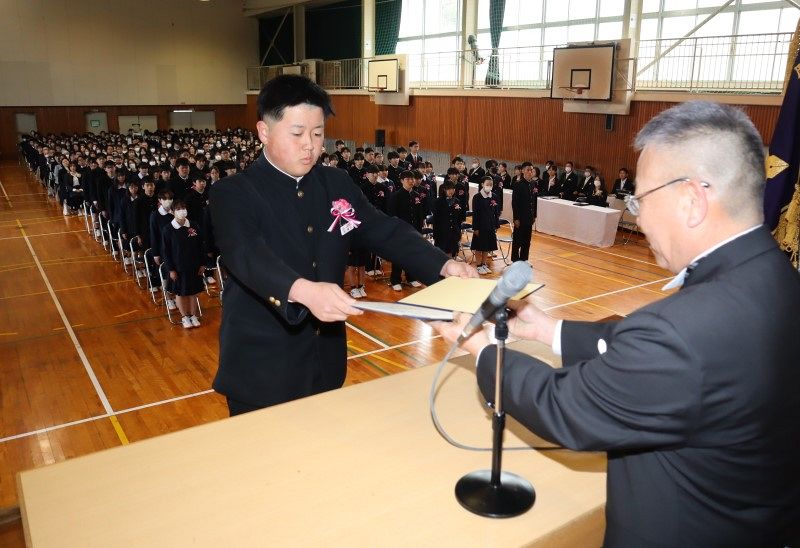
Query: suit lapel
{"x": 731, "y": 255}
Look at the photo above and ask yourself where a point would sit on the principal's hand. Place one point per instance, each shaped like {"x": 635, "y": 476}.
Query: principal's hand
{"x": 326, "y": 301}
{"x": 461, "y": 270}
{"x": 451, "y": 330}
{"x": 529, "y": 322}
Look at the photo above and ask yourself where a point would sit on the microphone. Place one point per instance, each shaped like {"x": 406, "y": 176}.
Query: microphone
{"x": 473, "y": 42}
{"x": 513, "y": 280}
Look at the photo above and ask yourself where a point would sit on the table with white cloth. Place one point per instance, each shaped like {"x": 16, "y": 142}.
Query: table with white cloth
{"x": 591, "y": 225}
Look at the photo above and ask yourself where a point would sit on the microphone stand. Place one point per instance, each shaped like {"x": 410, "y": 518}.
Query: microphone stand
{"x": 493, "y": 493}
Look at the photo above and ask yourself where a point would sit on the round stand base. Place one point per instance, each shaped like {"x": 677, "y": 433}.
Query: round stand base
{"x": 514, "y": 495}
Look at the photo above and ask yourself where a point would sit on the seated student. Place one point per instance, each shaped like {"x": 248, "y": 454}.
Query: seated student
{"x": 356, "y": 171}
{"x": 377, "y": 194}
{"x": 74, "y": 192}
{"x": 404, "y": 204}
{"x": 344, "y": 159}
{"x": 383, "y": 178}
{"x": 447, "y": 218}
{"x": 145, "y": 206}
{"x": 586, "y": 184}
{"x": 339, "y": 144}
{"x": 598, "y": 195}
{"x": 552, "y": 186}
{"x": 369, "y": 156}
{"x": 394, "y": 166}
{"x": 128, "y": 215}
{"x": 182, "y": 248}
{"x": 378, "y": 158}
{"x": 485, "y": 222}
{"x": 623, "y": 185}
{"x": 324, "y": 159}
{"x": 197, "y": 200}
{"x": 333, "y": 160}
{"x": 159, "y": 219}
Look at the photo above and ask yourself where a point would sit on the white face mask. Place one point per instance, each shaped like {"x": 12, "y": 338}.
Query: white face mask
{"x": 218, "y": 157}
{"x": 152, "y": 149}
{"x": 487, "y": 190}
{"x": 166, "y": 204}
{"x": 180, "y": 214}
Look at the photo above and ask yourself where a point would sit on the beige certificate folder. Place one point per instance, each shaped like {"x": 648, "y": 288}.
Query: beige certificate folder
{"x": 460, "y": 294}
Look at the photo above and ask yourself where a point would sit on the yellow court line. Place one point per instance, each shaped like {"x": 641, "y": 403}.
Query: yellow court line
{"x": 387, "y": 360}
{"x": 127, "y": 313}
{"x": 118, "y": 429}
{"x": 8, "y": 334}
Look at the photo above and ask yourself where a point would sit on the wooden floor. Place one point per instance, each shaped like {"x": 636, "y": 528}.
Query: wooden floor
{"x": 88, "y": 362}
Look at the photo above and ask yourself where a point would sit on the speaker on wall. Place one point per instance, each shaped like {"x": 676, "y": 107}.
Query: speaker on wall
{"x": 609, "y": 122}
{"x": 380, "y": 137}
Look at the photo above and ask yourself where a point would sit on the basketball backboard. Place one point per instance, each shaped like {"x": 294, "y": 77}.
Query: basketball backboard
{"x": 583, "y": 72}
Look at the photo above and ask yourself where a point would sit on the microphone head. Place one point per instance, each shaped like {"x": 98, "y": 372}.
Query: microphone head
{"x": 513, "y": 280}
{"x": 471, "y": 39}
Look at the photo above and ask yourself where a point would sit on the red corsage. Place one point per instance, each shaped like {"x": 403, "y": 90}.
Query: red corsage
{"x": 192, "y": 232}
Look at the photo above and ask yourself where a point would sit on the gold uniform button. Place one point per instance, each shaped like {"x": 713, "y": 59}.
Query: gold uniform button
{"x": 314, "y": 264}
{"x": 300, "y": 193}
{"x": 310, "y": 229}
{"x": 317, "y": 332}
{"x": 277, "y": 302}
{"x": 272, "y": 300}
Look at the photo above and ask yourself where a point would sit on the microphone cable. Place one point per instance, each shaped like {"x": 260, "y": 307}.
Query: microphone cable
{"x": 449, "y": 439}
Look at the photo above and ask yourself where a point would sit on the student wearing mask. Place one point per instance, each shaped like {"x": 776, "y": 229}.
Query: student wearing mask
{"x": 182, "y": 249}
{"x": 485, "y": 222}
{"x": 447, "y": 218}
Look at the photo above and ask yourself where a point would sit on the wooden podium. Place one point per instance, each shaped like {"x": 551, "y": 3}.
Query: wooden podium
{"x": 360, "y": 466}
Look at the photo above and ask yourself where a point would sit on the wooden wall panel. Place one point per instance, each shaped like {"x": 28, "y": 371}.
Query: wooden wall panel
{"x": 73, "y": 119}
{"x": 508, "y": 127}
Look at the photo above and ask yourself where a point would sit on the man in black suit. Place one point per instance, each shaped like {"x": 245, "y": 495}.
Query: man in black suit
{"x": 623, "y": 184}
{"x": 569, "y": 183}
{"x": 284, "y": 228}
{"x": 523, "y": 207}
{"x": 414, "y": 158}
{"x": 694, "y": 397}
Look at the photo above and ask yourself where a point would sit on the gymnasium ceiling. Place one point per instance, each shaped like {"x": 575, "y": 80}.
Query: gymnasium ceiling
{"x": 255, "y": 8}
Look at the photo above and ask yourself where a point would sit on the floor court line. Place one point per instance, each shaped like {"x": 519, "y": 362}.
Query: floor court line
{"x": 81, "y": 354}
{"x": 45, "y": 234}
{"x": 6, "y": 195}
{"x": 624, "y": 289}
{"x": 591, "y": 248}
{"x": 366, "y": 335}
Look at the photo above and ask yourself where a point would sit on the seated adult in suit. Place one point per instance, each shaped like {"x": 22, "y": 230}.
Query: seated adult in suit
{"x": 598, "y": 195}
{"x": 623, "y": 185}
{"x": 694, "y": 397}
{"x": 551, "y": 185}
{"x": 585, "y": 184}
{"x": 476, "y": 172}
{"x": 569, "y": 183}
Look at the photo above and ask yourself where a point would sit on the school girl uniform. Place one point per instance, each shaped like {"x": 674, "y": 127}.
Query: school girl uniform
{"x": 485, "y": 216}
{"x": 182, "y": 248}
{"x": 159, "y": 220}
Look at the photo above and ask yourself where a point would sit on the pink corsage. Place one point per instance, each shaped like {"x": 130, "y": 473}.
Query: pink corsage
{"x": 380, "y": 194}
{"x": 493, "y": 203}
{"x": 341, "y": 209}
{"x": 192, "y": 232}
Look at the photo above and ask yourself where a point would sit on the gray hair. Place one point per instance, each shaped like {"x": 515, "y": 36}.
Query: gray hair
{"x": 723, "y": 146}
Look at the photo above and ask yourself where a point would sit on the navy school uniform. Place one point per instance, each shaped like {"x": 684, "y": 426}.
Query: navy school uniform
{"x": 128, "y": 217}
{"x": 145, "y": 206}
{"x": 447, "y": 218}
{"x": 159, "y": 219}
{"x": 485, "y": 216}
{"x": 195, "y": 206}
{"x": 462, "y": 194}
{"x": 182, "y": 248}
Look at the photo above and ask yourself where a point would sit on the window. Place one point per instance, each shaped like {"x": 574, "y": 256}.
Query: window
{"x": 430, "y": 33}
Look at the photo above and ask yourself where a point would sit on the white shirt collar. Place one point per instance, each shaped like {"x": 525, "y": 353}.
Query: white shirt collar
{"x": 297, "y": 179}
{"x": 163, "y": 211}
{"x": 679, "y": 278}
{"x": 176, "y": 224}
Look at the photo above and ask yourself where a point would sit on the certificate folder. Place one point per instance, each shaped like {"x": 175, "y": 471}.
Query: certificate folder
{"x": 442, "y": 299}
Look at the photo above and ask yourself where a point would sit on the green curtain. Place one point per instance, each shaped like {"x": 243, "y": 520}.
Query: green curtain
{"x": 387, "y": 25}
{"x": 497, "y": 9}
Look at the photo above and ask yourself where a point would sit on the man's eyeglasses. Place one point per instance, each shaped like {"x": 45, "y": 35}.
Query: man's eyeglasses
{"x": 633, "y": 201}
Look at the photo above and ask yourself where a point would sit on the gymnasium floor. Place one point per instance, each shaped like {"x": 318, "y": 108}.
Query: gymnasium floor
{"x": 88, "y": 362}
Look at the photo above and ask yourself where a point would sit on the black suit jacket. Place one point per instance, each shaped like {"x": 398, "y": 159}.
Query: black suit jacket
{"x": 524, "y": 201}
{"x": 272, "y": 230}
{"x": 630, "y": 186}
{"x": 569, "y": 185}
{"x": 695, "y": 401}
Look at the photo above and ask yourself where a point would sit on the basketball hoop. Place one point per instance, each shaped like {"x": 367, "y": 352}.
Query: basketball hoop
{"x": 575, "y": 90}
{"x": 378, "y": 89}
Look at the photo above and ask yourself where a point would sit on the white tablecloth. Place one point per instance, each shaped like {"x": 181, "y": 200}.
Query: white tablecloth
{"x": 591, "y": 225}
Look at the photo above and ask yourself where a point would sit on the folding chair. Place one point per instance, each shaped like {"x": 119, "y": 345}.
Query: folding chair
{"x": 150, "y": 266}
{"x": 464, "y": 246}
{"x": 220, "y": 277}
{"x": 122, "y": 251}
{"x": 87, "y": 216}
{"x": 505, "y": 254}
{"x": 139, "y": 266}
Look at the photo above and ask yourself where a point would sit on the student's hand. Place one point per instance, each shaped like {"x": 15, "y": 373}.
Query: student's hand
{"x": 453, "y": 268}
{"x": 529, "y": 322}
{"x": 173, "y": 275}
{"x": 139, "y": 240}
{"x": 157, "y": 260}
{"x": 326, "y": 301}
{"x": 516, "y": 223}
{"x": 201, "y": 271}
